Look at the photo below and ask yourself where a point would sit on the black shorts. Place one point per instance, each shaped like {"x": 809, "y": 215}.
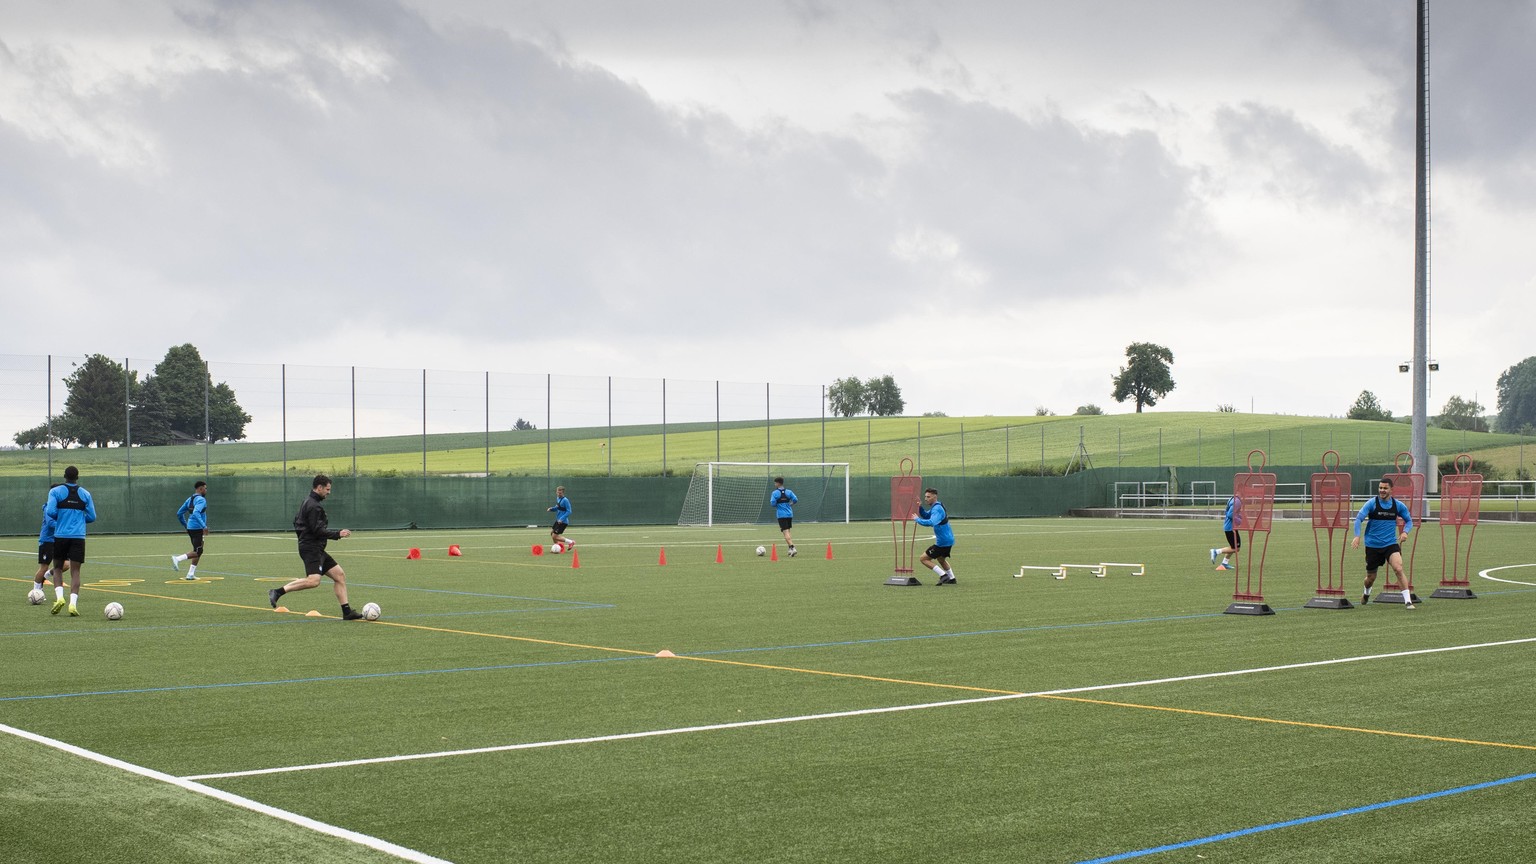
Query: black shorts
{"x": 196, "y": 536}
{"x": 1375, "y": 556}
{"x": 45, "y": 552}
{"x": 69, "y": 549}
{"x": 1235, "y": 540}
{"x": 785, "y": 522}
{"x": 316, "y": 560}
{"x": 938, "y": 551}
{"x": 558, "y": 528}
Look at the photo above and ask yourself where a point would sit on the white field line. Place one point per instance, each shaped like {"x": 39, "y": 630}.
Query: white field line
{"x": 231, "y": 798}
{"x": 1484, "y": 574}
{"x": 774, "y": 721}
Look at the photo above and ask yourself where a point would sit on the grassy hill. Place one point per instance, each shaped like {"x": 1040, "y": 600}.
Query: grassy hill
{"x": 939, "y": 445}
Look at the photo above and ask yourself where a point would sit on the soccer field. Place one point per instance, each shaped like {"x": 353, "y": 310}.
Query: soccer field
{"x": 509, "y": 707}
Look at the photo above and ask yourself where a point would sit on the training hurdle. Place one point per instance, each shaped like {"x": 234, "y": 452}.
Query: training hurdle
{"x": 1255, "y": 494}
{"x": 1098, "y": 571}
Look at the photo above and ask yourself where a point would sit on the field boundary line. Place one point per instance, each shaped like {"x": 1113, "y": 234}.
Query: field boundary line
{"x": 231, "y": 798}
{"x": 1002, "y": 696}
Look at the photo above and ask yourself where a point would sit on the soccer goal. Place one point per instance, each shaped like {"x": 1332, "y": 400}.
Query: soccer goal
{"x": 736, "y": 493}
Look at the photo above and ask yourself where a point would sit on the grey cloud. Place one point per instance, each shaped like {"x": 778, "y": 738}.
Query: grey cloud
{"x": 1298, "y": 163}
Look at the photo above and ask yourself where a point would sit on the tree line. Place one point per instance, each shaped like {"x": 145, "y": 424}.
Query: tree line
{"x": 177, "y": 403}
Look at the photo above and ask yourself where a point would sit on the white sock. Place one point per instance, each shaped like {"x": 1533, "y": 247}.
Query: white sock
{"x": 178, "y": 558}
{"x": 939, "y": 570}
{"x": 192, "y": 571}
{"x": 950, "y": 573}
{"x": 1407, "y": 596}
{"x": 1365, "y": 593}
{"x": 73, "y": 598}
{"x": 58, "y": 592}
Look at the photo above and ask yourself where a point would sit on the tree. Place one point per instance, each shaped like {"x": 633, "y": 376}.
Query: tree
{"x": 523, "y": 425}
{"x": 1042, "y": 411}
{"x": 1089, "y": 410}
{"x": 96, "y": 409}
{"x": 1462, "y": 414}
{"x": 1145, "y": 378}
{"x": 39, "y": 436}
{"x": 1517, "y": 396}
{"x": 883, "y": 398}
{"x": 1226, "y": 408}
{"x": 1367, "y": 408}
{"x": 175, "y": 399}
{"x": 846, "y": 397}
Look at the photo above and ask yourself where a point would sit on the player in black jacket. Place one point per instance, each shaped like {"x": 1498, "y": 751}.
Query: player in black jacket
{"x": 313, "y": 531}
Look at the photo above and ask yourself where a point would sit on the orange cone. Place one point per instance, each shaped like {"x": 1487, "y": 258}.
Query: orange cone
{"x": 413, "y": 555}
{"x": 575, "y": 560}
{"x": 663, "y": 559}
{"x": 665, "y": 653}
{"x": 719, "y": 554}
{"x": 537, "y": 550}
{"x": 829, "y": 551}
{"x": 453, "y": 551}
{"x": 774, "y": 555}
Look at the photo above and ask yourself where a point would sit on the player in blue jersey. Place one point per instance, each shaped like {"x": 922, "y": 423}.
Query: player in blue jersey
{"x": 45, "y": 558}
{"x": 1383, "y": 538}
{"x": 71, "y": 509}
{"x": 562, "y": 511}
{"x": 931, "y": 514}
{"x": 193, "y": 516}
{"x": 1231, "y": 521}
{"x": 784, "y": 501}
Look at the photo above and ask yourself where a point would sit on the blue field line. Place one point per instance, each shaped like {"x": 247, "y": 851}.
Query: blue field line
{"x": 317, "y": 679}
{"x": 1291, "y": 823}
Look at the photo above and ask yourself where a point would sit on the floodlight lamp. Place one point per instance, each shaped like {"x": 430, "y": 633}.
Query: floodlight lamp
{"x": 1434, "y": 366}
{"x": 1402, "y": 367}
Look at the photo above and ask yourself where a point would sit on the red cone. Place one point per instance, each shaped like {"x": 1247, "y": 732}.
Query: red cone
{"x": 663, "y": 559}
{"x": 829, "y": 551}
{"x": 575, "y": 560}
{"x": 719, "y": 554}
{"x": 413, "y": 554}
{"x": 453, "y": 551}
{"x": 774, "y": 555}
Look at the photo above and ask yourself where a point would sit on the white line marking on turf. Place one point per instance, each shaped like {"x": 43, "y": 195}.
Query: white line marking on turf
{"x": 231, "y": 798}
{"x": 861, "y": 712}
{"x": 1484, "y": 574}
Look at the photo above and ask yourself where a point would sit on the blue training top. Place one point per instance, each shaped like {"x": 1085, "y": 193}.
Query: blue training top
{"x": 562, "y": 510}
{"x": 1234, "y": 515}
{"x": 937, "y": 519}
{"x": 1381, "y": 522}
{"x": 783, "y": 501}
{"x": 194, "y": 513}
{"x": 46, "y": 535}
{"x": 71, "y": 508}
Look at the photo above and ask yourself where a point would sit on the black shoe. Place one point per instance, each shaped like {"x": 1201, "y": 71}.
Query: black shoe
{"x": 1364, "y": 599}
{"x": 948, "y": 580}
{"x": 272, "y": 597}
{"x": 351, "y": 615}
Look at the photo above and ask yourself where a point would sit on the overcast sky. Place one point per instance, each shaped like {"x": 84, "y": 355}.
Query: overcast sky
{"x": 987, "y": 200}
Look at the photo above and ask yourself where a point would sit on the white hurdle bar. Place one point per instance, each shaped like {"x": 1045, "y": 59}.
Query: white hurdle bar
{"x": 1060, "y": 570}
{"x": 1140, "y": 569}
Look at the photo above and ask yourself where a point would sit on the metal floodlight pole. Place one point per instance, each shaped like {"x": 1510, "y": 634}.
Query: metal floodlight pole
{"x": 1419, "y": 447}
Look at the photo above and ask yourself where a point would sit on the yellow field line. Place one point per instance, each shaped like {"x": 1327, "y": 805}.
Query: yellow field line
{"x": 1301, "y": 723}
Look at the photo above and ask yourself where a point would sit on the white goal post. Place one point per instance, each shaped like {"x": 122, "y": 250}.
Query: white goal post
{"x": 737, "y": 493}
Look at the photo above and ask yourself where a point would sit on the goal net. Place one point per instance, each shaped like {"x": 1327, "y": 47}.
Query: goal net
{"x": 737, "y": 493}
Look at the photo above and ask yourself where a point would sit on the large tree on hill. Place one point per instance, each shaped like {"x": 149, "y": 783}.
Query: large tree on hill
{"x": 1367, "y": 408}
{"x": 883, "y": 398}
{"x": 1517, "y": 396}
{"x": 1461, "y": 413}
{"x": 96, "y": 409}
{"x": 172, "y": 403}
{"x": 1145, "y": 378}
{"x": 845, "y": 397}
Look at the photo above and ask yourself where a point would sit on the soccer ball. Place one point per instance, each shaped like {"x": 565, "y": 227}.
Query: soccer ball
{"x": 371, "y": 611}
{"x": 557, "y": 548}
{"x": 761, "y": 551}
{"x": 114, "y": 611}
{"x": 35, "y": 596}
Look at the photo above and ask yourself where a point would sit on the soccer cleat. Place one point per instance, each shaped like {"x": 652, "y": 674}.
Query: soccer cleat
{"x": 1214, "y": 556}
{"x": 1407, "y": 605}
{"x": 351, "y": 615}
{"x": 175, "y": 565}
{"x": 1364, "y": 599}
{"x": 792, "y": 552}
{"x": 947, "y": 580}
{"x": 1225, "y": 567}
{"x": 272, "y": 597}
{"x": 58, "y": 606}
{"x": 190, "y": 578}
{"x": 73, "y": 612}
